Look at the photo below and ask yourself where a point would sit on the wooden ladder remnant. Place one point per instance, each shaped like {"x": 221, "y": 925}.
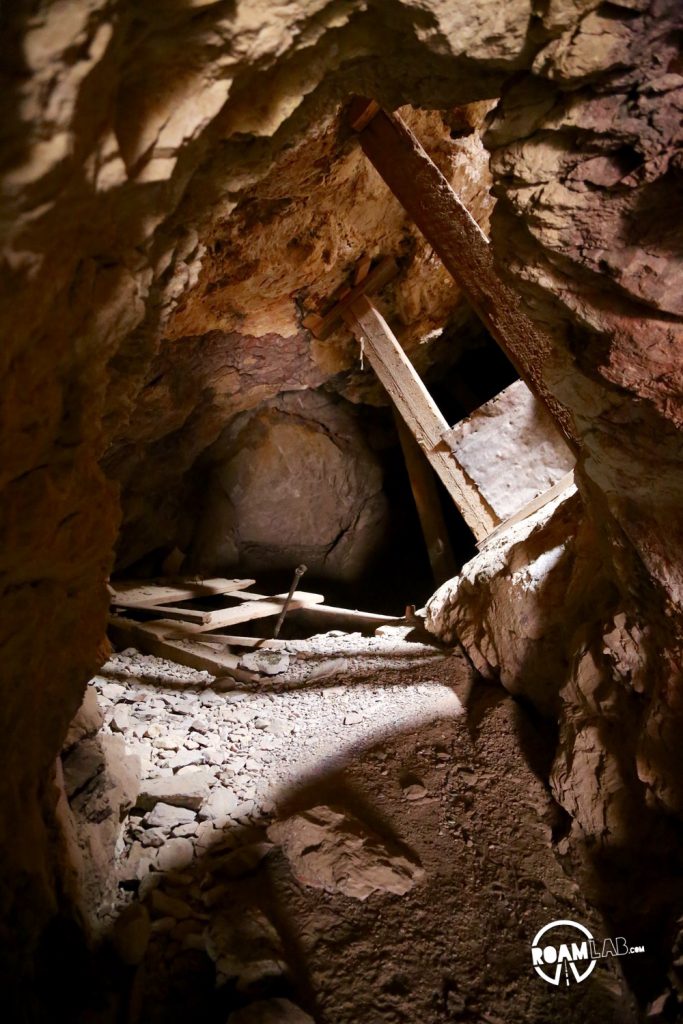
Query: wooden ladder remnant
{"x": 422, "y": 429}
{"x": 428, "y": 505}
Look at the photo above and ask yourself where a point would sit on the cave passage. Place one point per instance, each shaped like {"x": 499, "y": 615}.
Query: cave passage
{"x": 246, "y": 691}
{"x": 398, "y": 572}
{"x": 341, "y": 485}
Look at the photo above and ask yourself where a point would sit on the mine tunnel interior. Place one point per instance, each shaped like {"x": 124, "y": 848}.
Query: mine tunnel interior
{"x": 307, "y": 470}
{"x": 393, "y": 569}
{"x": 346, "y": 508}
{"x": 261, "y": 443}
{"x": 298, "y": 454}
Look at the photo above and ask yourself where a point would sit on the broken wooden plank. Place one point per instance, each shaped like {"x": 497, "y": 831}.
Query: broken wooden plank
{"x": 348, "y": 616}
{"x": 149, "y": 637}
{"x": 136, "y": 594}
{"x": 418, "y": 409}
{"x": 534, "y": 505}
{"x": 385, "y": 270}
{"x": 426, "y": 497}
{"x": 220, "y": 640}
{"x": 248, "y": 596}
{"x": 458, "y": 240}
{"x": 257, "y": 609}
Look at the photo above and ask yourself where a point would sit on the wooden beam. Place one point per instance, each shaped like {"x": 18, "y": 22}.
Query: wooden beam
{"x": 458, "y": 240}
{"x": 149, "y": 637}
{"x": 169, "y": 611}
{"x": 426, "y": 497}
{"x": 258, "y": 609}
{"x": 419, "y": 411}
{"x": 345, "y": 616}
{"x": 361, "y": 112}
{"x": 136, "y": 594}
{"x": 220, "y": 640}
{"x": 532, "y": 506}
{"x": 385, "y": 270}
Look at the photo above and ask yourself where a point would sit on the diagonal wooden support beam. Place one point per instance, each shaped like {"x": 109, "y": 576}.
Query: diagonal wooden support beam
{"x": 426, "y": 497}
{"x": 458, "y": 240}
{"x": 419, "y": 411}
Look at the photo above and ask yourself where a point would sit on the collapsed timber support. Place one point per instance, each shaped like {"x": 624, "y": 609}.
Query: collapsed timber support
{"x": 418, "y": 410}
{"x": 460, "y": 243}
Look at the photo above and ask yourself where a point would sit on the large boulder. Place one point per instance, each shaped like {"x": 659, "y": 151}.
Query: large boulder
{"x": 292, "y": 482}
{"x": 515, "y": 606}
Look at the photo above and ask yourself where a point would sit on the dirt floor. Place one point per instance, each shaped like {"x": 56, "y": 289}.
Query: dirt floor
{"x": 410, "y": 894}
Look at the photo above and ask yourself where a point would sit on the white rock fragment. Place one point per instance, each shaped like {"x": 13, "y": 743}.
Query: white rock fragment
{"x": 87, "y": 720}
{"x": 120, "y": 719}
{"x": 189, "y": 790}
{"x": 414, "y": 791}
{"x": 221, "y": 803}
{"x": 175, "y": 855}
{"x": 113, "y": 691}
{"x": 269, "y": 663}
{"x": 186, "y": 757}
{"x": 168, "y": 816}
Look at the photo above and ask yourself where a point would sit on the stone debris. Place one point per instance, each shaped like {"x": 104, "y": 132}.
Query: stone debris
{"x": 220, "y": 804}
{"x": 223, "y": 884}
{"x": 167, "y": 816}
{"x": 187, "y": 757}
{"x": 175, "y": 854}
{"x": 87, "y": 721}
{"x": 414, "y": 791}
{"x": 245, "y": 947}
{"x": 120, "y": 719}
{"x": 269, "y": 663}
{"x": 329, "y": 849}
{"x": 189, "y": 836}
{"x": 181, "y": 790}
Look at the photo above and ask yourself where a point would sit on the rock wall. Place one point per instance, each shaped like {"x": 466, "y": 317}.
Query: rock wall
{"x": 586, "y": 156}
{"x": 130, "y": 133}
{"x": 539, "y": 610}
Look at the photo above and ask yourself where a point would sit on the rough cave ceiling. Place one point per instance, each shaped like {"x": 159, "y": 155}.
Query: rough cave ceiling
{"x": 235, "y": 338}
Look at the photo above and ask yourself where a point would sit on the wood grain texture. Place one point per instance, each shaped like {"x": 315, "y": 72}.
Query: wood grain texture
{"x": 418, "y": 410}
{"x": 463, "y": 247}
